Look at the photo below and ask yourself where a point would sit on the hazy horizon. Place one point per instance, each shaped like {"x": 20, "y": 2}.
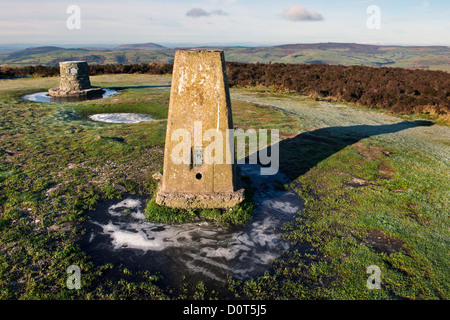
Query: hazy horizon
{"x": 21, "y": 46}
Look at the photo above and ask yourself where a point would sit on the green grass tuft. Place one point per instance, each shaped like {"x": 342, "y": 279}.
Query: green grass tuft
{"x": 239, "y": 215}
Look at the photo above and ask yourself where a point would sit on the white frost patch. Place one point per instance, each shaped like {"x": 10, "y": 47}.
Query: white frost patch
{"x": 37, "y": 97}
{"x": 120, "y": 117}
{"x": 127, "y": 204}
{"x": 123, "y": 238}
{"x": 283, "y": 206}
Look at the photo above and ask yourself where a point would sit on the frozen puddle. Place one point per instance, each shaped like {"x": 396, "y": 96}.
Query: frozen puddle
{"x": 118, "y": 233}
{"x": 45, "y": 97}
{"x": 120, "y": 117}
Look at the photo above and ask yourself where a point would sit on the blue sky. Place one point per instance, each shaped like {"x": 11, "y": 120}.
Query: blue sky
{"x": 422, "y": 22}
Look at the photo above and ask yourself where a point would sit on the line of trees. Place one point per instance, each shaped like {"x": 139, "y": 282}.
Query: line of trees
{"x": 396, "y": 89}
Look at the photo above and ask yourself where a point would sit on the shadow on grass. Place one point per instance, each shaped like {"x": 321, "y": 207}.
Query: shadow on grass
{"x": 303, "y": 152}
{"x": 141, "y": 87}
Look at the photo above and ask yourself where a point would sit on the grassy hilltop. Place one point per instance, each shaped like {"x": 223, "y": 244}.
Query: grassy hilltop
{"x": 375, "y": 186}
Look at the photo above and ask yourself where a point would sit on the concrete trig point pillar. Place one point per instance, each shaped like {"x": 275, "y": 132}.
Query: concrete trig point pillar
{"x": 199, "y": 104}
{"x": 74, "y": 81}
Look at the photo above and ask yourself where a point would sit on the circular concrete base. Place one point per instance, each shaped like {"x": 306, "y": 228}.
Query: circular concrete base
{"x": 90, "y": 92}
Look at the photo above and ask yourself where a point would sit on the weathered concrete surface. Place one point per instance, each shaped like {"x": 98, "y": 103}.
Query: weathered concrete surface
{"x": 74, "y": 81}
{"x": 199, "y": 94}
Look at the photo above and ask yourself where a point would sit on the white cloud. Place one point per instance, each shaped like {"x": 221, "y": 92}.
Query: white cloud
{"x": 299, "y": 13}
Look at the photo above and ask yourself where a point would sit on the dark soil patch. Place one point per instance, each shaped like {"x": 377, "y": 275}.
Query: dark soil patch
{"x": 384, "y": 243}
{"x": 357, "y": 183}
{"x": 371, "y": 152}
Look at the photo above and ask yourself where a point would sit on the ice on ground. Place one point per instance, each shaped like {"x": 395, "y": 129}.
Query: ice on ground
{"x": 120, "y": 117}
{"x": 205, "y": 249}
{"x": 45, "y": 97}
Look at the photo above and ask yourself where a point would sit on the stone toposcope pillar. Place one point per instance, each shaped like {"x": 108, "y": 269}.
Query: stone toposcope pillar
{"x": 74, "y": 81}
{"x": 199, "y": 169}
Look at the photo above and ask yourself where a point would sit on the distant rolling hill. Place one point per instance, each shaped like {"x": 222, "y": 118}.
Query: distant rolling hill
{"x": 32, "y": 51}
{"x": 429, "y": 57}
{"x": 140, "y": 46}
